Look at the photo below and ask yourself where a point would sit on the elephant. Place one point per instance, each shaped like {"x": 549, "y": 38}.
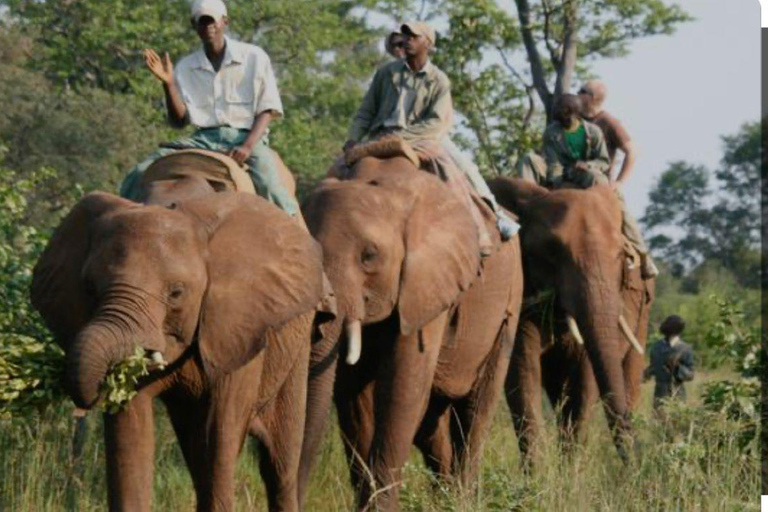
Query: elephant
{"x": 425, "y": 329}
{"x": 588, "y": 339}
{"x": 220, "y": 289}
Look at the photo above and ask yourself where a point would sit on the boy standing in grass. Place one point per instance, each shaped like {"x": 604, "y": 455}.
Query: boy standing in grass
{"x": 671, "y": 362}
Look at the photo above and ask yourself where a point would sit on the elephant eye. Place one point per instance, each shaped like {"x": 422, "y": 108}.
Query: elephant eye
{"x": 369, "y": 254}
{"x": 176, "y": 292}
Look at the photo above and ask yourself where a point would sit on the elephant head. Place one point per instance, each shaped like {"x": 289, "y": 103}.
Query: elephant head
{"x": 204, "y": 278}
{"x": 395, "y": 241}
{"x": 572, "y": 243}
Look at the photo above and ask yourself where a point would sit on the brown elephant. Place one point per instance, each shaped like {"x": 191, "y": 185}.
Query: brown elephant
{"x": 432, "y": 330}
{"x": 588, "y": 341}
{"x": 222, "y": 288}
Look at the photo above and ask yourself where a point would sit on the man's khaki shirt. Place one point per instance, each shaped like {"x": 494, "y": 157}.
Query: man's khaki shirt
{"x": 421, "y": 99}
{"x": 559, "y": 160}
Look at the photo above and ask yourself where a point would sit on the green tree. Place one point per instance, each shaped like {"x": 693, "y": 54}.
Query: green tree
{"x": 322, "y": 51}
{"x": 507, "y": 61}
{"x": 693, "y": 221}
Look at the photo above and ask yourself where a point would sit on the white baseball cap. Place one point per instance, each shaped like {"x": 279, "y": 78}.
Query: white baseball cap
{"x": 213, "y": 8}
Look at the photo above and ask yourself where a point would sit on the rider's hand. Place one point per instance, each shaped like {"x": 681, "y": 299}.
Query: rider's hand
{"x": 240, "y": 153}
{"x": 161, "y": 68}
{"x": 349, "y": 145}
{"x": 581, "y": 166}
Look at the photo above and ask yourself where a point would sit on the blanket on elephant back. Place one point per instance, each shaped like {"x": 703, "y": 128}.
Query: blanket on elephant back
{"x": 218, "y": 169}
{"x": 431, "y": 157}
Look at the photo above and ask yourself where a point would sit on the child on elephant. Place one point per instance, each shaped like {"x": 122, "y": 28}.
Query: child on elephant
{"x": 576, "y": 153}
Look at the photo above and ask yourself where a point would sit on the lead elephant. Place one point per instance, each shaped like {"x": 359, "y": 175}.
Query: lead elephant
{"x": 432, "y": 330}
{"x": 222, "y": 288}
{"x": 584, "y": 329}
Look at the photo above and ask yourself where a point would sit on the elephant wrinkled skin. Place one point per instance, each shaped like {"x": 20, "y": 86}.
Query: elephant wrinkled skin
{"x": 572, "y": 245}
{"x": 224, "y": 286}
{"x": 402, "y": 254}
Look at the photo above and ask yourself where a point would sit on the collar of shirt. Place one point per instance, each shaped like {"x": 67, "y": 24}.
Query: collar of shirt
{"x": 428, "y": 70}
{"x": 232, "y": 55}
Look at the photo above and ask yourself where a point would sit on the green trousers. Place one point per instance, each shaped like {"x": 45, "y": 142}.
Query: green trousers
{"x": 262, "y": 167}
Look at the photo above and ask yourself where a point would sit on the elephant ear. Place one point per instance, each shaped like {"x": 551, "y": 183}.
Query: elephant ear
{"x": 442, "y": 254}
{"x": 263, "y": 270}
{"x": 517, "y": 195}
{"x": 58, "y": 291}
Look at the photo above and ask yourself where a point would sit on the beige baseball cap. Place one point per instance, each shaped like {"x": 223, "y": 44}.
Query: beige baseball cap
{"x": 213, "y": 8}
{"x": 420, "y": 29}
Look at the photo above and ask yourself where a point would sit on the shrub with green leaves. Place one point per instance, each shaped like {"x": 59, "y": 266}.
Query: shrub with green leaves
{"x": 31, "y": 363}
{"x": 736, "y": 345}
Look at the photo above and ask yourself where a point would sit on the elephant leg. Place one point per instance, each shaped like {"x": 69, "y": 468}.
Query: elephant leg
{"x": 130, "y": 446}
{"x": 434, "y": 437}
{"x": 523, "y": 389}
{"x": 188, "y": 420}
{"x": 354, "y": 406}
{"x": 322, "y": 375}
{"x": 280, "y": 449}
{"x": 403, "y": 386}
{"x": 476, "y": 414}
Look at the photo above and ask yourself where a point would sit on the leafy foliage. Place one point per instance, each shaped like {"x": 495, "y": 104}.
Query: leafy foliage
{"x": 119, "y": 386}
{"x": 738, "y": 346}
{"x": 693, "y": 221}
{"x": 31, "y": 363}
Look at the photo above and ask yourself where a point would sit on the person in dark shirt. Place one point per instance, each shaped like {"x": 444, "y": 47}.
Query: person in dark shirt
{"x": 671, "y": 362}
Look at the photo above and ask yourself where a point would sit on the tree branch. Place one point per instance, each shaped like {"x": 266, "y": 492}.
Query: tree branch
{"x": 570, "y": 47}
{"x": 511, "y": 68}
{"x": 554, "y": 53}
{"x": 537, "y": 69}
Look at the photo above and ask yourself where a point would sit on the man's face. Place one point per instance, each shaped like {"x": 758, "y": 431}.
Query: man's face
{"x": 563, "y": 113}
{"x": 415, "y": 45}
{"x": 210, "y": 30}
{"x": 397, "y": 43}
{"x": 587, "y": 99}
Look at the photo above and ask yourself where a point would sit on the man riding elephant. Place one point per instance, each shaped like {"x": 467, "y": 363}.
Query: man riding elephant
{"x": 411, "y": 98}
{"x": 228, "y": 91}
{"x": 576, "y": 153}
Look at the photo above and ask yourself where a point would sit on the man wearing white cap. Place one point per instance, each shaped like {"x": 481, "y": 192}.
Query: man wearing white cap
{"x": 412, "y": 98}
{"x": 228, "y": 91}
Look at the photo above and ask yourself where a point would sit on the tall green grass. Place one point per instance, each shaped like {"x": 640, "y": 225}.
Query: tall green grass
{"x": 694, "y": 462}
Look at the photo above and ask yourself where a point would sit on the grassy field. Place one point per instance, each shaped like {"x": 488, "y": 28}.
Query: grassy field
{"x": 702, "y": 468}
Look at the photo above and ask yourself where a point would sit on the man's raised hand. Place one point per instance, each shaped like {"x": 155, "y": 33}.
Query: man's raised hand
{"x": 161, "y": 68}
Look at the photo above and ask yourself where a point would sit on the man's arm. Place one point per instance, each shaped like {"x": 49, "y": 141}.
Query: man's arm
{"x": 630, "y": 153}
{"x": 551, "y": 155}
{"x": 260, "y": 124}
{"x": 361, "y": 124}
{"x": 598, "y": 160}
{"x": 163, "y": 70}
{"x": 435, "y": 122}
{"x": 684, "y": 369}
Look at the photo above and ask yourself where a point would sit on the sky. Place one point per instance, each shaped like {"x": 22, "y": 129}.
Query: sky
{"x": 677, "y": 95}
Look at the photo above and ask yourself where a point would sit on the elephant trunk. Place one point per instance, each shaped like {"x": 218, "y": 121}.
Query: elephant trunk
{"x": 95, "y": 350}
{"x": 322, "y": 376}
{"x": 598, "y": 320}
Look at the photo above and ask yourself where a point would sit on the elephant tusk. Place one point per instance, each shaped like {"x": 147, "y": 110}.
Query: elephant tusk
{"x": 354, "y": 340}
{"x": 157, "y": 359}
{"x": 630, "y": 335}
{"x": 573, "y": 327}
